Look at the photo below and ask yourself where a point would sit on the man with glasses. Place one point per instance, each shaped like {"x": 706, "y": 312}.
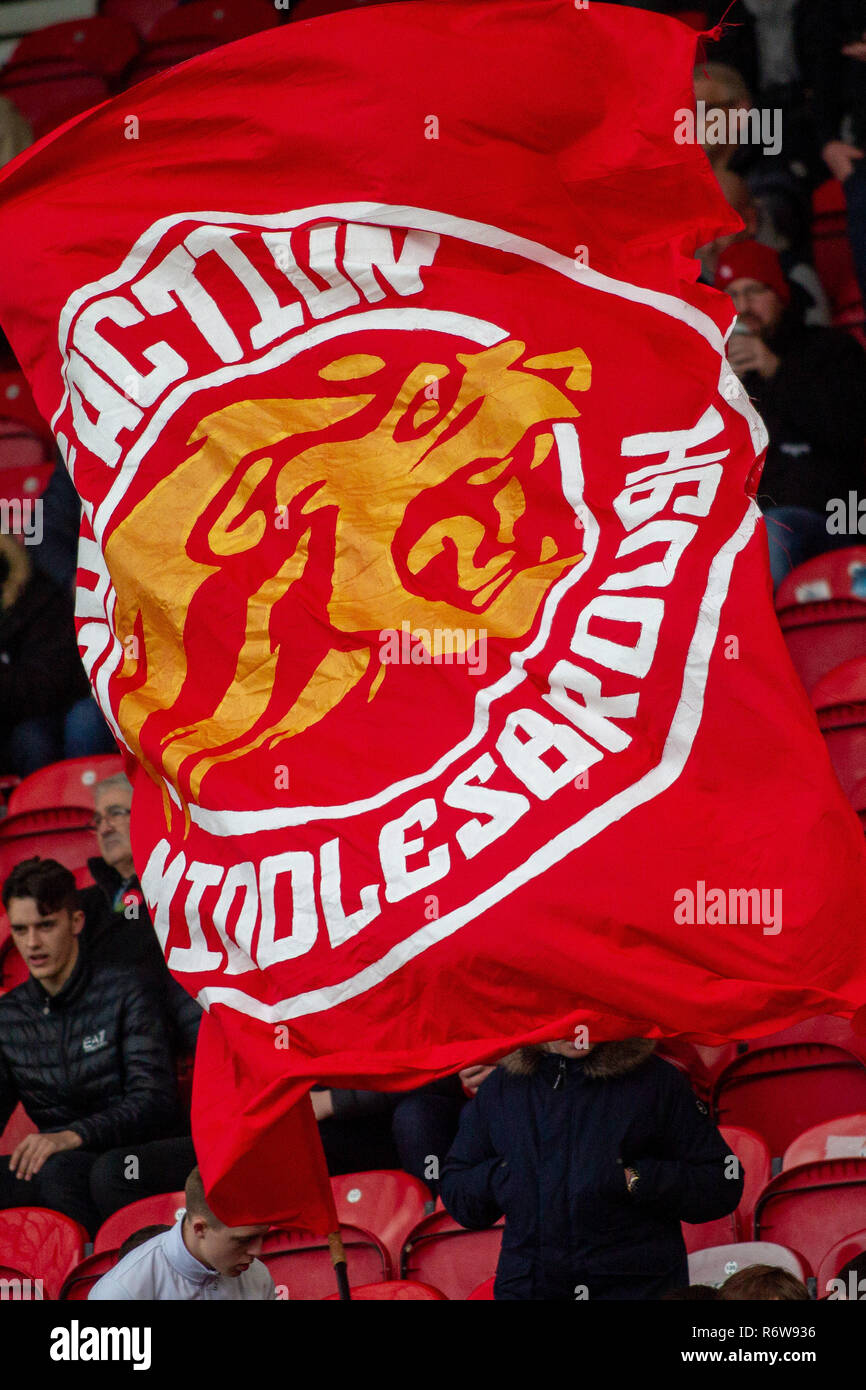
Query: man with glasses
{"x": 809, "y": 384}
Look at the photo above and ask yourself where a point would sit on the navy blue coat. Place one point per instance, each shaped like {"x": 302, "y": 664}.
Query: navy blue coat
{"x": 547, "y": 1146}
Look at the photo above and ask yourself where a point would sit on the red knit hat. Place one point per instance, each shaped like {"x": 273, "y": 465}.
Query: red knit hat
{"x": 749, "y": 260}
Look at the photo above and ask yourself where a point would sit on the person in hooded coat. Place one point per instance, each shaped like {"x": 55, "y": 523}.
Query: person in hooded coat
{"x": 594, "y": 1156}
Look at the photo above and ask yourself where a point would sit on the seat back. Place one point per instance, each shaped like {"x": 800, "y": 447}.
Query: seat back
{"x": 141, "y": 14}
{"x": 300, "y": 1262}
{"x": 821, "y": 635}
{"x": 161, "y": 1210}
{"x": 811, "y": 1207}
{"x": 843, "y": 1137}
{"x": 69, "y": 783}
{"x": 778, "y": 1092}
{"x": 103, "y": 44}
{"x": 848, "y": 1248}
{"x": 59, "y": 834}
{"x": 831, "y": 247}
{"x": 844, "y": 685}
{"x": 844, "y": 731}
{"x": 716, "y": 1264}
{"x": 394, "y": 1291}
{"x": 80, "y": 1280}
{"x": 441, "y": 1253}
{"x": 838, "y": 574}
{"x": 43, "y": 1244}
{"x": 387, "y": 1202}
{"x": 18, "y": 1126}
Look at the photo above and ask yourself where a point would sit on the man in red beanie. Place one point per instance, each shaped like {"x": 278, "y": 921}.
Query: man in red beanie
{"x": 809, "y": 384}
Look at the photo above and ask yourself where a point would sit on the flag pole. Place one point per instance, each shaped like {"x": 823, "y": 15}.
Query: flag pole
{"x": 338, "y": 1260}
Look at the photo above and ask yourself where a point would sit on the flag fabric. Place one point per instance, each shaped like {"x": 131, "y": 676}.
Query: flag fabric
{"x": 420, "y": 574}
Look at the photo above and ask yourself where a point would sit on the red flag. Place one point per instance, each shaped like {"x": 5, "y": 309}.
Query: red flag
{"x": 420, "y": 572}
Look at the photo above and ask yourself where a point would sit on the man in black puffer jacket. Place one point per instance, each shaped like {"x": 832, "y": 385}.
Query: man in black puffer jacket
{"x": 82, "y": 1047}
{"x": 594, "y": 1156}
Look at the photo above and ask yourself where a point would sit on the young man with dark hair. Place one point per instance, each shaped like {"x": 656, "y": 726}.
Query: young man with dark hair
{"x": 199, "y": 1259}
{"x": 82, "y": 1047}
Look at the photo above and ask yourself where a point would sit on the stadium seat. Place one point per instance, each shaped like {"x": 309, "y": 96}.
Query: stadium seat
{"x": 848, "y": 1248}
{"x": 823, "y": 1028}
{"x": 843, "y": 1137}
{"x": 25, "y": 483}
{"x": 387, "y": 1202}
{"x": 102, "y": 44}
{"x": 715, "y": 1265}
{"x": 441, "y": 1253}
{"x": 821, "y": 635}
{"x": 394, "y": 1291}
{"x": 17, "y": 404}
{"x": 80, "y": 1280}
{"x": 844, "y": 685}
{"x": 483, "y": 1293}
{"x": 836, "y": 574}
{"x": 18, "y": 1126}
{"x": 59, "y": 834}
{"x": 754, "y": 1156}
{"x": 844, "y": 731}
{"x": 69, "y": 783}
{"x": 781, "y": 1091}
{"x": 185, "y": 31}
{"x": 300, "y": 1263}
{"x": 161, "y": 1210}
{"x": 832, "y": 254}
{"x": 312, "y": 9}
{"x": 687, "y": 1059}
{"x": 141, "y": 14}
{"x": 42, "y": 1244}
{"x": 49, "y": 99}
{"x": 21, "y": 449}
{"x": 811, "y": 1207}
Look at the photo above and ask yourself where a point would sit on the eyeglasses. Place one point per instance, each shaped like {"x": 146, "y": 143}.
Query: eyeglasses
{"x": 113, "y": 813}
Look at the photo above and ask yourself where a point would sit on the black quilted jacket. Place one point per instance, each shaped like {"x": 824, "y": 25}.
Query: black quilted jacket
{"x": 93, "y": 1058}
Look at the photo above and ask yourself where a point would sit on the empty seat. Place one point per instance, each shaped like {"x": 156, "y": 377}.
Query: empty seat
{"x": 42, "y": 1244}
{"x": 102, "y": 44}
{"x": 836, "y": 574}
{"x": 811, "y": 1207}
{"x": 80, "y": 1280}
{"x": 715, "y": 1265}
{"x": 387, "y": 1202}
{"x": 69, "y": 783}
{"x": 141, "y": 14}
{"x": 300, "y": 1262}
{"x": 781, "y": 1091}
{"x": 844, "y": 731}
{"x": 848, "y": 1248}
{"x": 24, "y": 484}
{"x": 823, "y": 1028}
{"x": 17, "y": 404}
{"x": 18, "y": 1126}
{"x": 754, "y": 1155}
{"x": 394, "y": 1291}
{"x": 843, "y": 1137}
{"x": 59, "y": 834}
{"x": 184, "y": 32}
{"x": 821, "y": 635}
{"x": 844, "y": 685}
{"x": 161, "y": 1210}
{"x": 441, "y": 1253}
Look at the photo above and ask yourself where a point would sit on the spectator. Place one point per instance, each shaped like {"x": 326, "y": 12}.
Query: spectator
{"x": 840, "y": 110}
{"x": 764, "y": 1282}
{"x": 41, "y": 675}
{"x": 809, "y": 384}
{"x": 198, "y": 1259}
{"x": 594, "y": 1156}
{"x": 722, "y": 88}
{"x": 139, "y": 1237}
{"x": 81, "y": 1047}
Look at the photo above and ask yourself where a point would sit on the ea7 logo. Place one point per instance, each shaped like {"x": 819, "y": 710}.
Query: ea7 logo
{"x": 94, "y": 1042}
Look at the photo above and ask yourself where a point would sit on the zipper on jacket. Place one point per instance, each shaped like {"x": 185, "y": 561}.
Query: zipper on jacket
{"x": 560, "y": 1075}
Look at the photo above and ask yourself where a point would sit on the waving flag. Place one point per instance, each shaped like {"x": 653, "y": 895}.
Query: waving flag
{"x": 420, "y": 572}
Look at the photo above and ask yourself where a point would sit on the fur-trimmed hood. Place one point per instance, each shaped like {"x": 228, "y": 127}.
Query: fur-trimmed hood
{"x": 605, "y": 1062}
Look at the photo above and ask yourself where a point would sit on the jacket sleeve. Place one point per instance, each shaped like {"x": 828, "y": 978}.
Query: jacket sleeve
{"x": 351, "y": 1105}
{"x": 184, "y": 1015}
{"x": 149, "y": 1108}
{"x": 470, "y": 1172}
{"x": 8, "y": 1093}
{"x": 702, "y": 1180}
{"x": 822, "y": 391}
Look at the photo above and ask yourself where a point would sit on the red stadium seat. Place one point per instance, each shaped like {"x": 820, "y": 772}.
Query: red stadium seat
{"x": 17, "y": 1128}
{"x": 441, "y": 1253}
{"x": 43, "y": 1244}
{"x": 811, "y": 1207}
{"x": 394, "y": 1291}
{"x": 821, "y": 635}
{"x": 843, "y": 1137}
{"x": 300, "y": 1263}
{"x": 58, "y": 834}
{"x": 22, "y": 450}
{"x": 844, "y": 731}
{"x": 848, "y": 1248}
{"x": 714, "y": 1266}
{"x": 832, "y": 254}
{"x": 184, "y": 32}
{"x": 483, "y": 1293}
{"x": 823, "y": 1028}
{"x": 24, "y": 484}
{"x": 386, "y": 1201}
{"x": 780, "y": 1091}
{"x": 17, "y": 403}
{"x": 836, "y": 574}
{"x": 48, "y": 101}
{"x": 844, "y": 685}
{"x": 754, "y": 1156}
{"x": 79, "y": 1282}
{"x": 141, "y": 14}
{"x": 69, "y": 783}
{"x": 161, "y": 1210}
{"x": 102, "y": 44}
